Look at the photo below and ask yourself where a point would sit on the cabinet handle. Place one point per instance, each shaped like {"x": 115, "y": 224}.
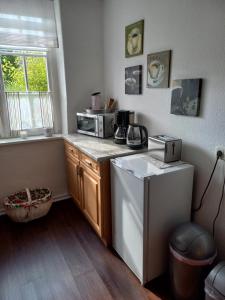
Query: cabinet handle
{"x": 77, "y": 169}
{"x": 80, "y": 171}
{"x": 88, "y": 162}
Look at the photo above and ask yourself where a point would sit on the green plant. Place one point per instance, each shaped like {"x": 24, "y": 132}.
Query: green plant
{"x": 14, "y": 73}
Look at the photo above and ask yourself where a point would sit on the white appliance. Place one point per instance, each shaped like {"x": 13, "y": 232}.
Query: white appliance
{"x": 149, "y": 199}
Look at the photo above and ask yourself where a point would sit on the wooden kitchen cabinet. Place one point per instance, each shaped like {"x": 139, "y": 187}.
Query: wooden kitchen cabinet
{"x": 89, "y": 186}
{"x": 73, "y": 179}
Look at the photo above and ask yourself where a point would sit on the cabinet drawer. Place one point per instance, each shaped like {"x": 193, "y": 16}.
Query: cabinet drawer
{"x": 90, "y": 163}
{"x": 71, "y": 151}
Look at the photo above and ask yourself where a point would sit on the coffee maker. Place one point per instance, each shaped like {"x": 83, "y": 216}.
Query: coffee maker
{"x": 121, "y": 125}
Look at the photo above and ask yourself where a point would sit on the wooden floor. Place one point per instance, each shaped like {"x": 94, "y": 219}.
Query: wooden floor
{"x": 60, "y": 257}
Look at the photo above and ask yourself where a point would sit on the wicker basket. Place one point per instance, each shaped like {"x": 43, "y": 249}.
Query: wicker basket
{"x": 28, "y": 205}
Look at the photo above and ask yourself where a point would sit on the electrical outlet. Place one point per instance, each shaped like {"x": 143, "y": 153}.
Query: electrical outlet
{"x": 222, "y": 149}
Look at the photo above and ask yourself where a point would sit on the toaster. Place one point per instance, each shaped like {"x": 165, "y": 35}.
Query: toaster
{"x": 165, "y": 148}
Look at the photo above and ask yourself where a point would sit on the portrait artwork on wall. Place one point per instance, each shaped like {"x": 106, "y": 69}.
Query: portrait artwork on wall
{"x": 186, "y": 97}
{"x": 133, "y": 80}
{"x": 158, "y": 69}
{"x": 134, "y": 37}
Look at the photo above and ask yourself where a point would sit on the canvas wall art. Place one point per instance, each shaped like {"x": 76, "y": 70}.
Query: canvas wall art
{"x": 186, "y": 97}
{"x": 158, "y": 69}
{"x": 133, "y": 80}
{"x": 134, "y": 37}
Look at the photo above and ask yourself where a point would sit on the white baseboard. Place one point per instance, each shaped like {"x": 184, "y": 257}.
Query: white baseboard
{"x": 61, "y": 197}
{"x": 55, "y": 199}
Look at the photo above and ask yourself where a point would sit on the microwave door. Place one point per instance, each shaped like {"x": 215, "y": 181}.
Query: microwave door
{"x": 87, "y": 125}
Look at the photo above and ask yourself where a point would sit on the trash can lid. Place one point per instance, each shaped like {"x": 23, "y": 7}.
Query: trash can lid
{"x": 193, "y": 242}
{"x": 216, "y": 278}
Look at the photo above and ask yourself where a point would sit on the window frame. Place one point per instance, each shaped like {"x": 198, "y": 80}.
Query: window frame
{"x": 6, "y": 132}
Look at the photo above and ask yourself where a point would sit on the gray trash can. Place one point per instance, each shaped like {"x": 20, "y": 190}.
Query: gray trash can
{"x": 192, "y": 251}
{"x": 215, "y": 283}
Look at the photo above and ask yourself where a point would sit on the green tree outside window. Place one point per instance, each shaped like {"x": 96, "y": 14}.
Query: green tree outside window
{"x": 13, "y": 71}
{"x": 37, "y": 74}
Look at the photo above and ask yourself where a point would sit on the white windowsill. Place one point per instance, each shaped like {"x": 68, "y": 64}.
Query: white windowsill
{"x": 30, "y": 139}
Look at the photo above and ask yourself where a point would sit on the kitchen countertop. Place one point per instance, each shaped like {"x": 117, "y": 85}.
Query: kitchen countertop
{"x": 100, "y": 149}
{"x": 97, "y": 148}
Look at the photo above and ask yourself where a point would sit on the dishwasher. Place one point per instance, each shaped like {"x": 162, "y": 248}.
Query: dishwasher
{"x": 149, "y": 199}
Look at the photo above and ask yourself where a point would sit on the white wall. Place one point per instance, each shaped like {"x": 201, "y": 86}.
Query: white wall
{"x": 77, "y": 73}
{"x": 82, "y": 37}
{"x": 60, "y": 84}
{"x": 34, "y": 164}
{"x": 194, "y": 31}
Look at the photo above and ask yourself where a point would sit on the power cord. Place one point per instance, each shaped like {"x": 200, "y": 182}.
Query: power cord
{"x": 219, "y": 207}
{"x": 219, "y": 154}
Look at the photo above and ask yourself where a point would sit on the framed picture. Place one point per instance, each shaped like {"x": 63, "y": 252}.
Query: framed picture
{"x": 186, "y": 97}
{"x": 134, "y": 37}
{"x": 158, "y": 69}
{"x": 133, "y": 80}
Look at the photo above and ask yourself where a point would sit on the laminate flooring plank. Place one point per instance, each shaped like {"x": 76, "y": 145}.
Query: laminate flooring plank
{"x": 60, "y": 257}
{"x": 43, "y": 289}
{"x": 31, "y": 247}
{"x": 60, "y": 288}
{"x": 58, "y": 276}
{"x": 8, "y": 279}
{"x": 76, "y": 258}
{"x": 106, "y": 264}
{"x": 91, "y": 287}
{"x": 117, "y": 277}
{"x": 11, "y": 293}
{"x": 36, "y": 256}
{"x": 28, "y": 292}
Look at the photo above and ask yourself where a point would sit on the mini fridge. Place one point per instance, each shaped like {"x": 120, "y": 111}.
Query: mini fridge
{"x": 149, "y": 199}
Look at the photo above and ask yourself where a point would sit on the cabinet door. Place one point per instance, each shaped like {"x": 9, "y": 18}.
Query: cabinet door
{"x": 73, "y": 179}
{"x": 91, "y": 198}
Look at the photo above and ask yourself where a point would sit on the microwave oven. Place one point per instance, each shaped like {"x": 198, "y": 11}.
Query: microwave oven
{"x": 98, "y": 125}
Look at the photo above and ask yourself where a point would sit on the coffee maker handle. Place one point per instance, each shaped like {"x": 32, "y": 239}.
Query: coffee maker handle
{"x": 145, "y": 138}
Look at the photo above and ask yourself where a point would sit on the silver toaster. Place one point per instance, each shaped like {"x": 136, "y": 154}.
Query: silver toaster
{"x": 165, "y": 148}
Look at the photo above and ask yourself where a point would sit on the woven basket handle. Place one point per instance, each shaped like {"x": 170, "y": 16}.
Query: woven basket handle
{"x": 28, "y": 196}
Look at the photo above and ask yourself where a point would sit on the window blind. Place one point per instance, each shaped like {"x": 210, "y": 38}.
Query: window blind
{"x": 28, "y": 23}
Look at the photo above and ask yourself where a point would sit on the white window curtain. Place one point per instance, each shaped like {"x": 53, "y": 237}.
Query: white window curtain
{"x": 29, "y": 111}
{"x": 28, "y": 23}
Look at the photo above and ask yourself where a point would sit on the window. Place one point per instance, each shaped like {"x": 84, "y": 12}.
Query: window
{"x": 26, "y": 94}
